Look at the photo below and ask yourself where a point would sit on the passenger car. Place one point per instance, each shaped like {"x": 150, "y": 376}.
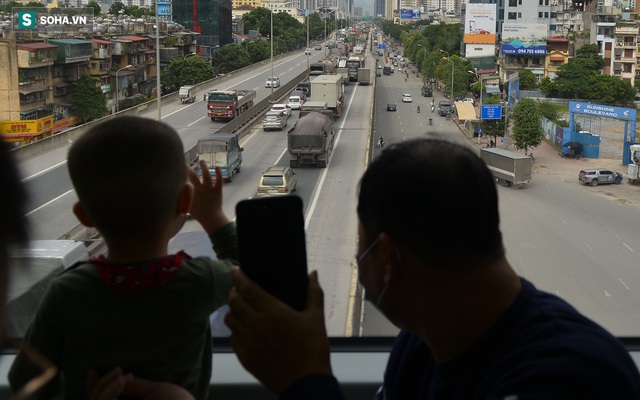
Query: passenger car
{"x": 307, "y": 51}
{"x": 273, "y": 81}
{"x": 300, "y": 93}
{"x": 295, "y": 102}
{"x": 469, "y": 100}
{"x": 406, "y": 98}
{"x": 277, "y": 181}
{"x": 281, "y": 107}
{"x": 275, "y": 120}
{"x": 318, "y": 47}
{"x": 391, "y": 107}
{"x": 597, "y": 176}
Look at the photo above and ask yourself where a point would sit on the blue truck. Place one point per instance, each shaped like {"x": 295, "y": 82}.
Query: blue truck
{"x": 221, "y": 150}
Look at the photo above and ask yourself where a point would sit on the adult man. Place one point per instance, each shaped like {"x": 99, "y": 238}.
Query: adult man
{"x": 471, "y": 328}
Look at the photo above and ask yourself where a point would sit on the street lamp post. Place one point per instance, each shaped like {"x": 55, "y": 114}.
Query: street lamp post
{"x": 479, "y": 78}
{"x": 309, "y": 53}
{"x": 451, "y": 61}
{"x": 117, "y": 84}
{"x": 271, "y": 40}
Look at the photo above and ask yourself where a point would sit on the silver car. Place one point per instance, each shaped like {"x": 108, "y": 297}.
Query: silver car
{"x": 598, "y": 176}
{"x": 275, "y": 120}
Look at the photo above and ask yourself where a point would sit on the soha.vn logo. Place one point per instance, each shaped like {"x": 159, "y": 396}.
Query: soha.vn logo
{"x": 29, "y": 20}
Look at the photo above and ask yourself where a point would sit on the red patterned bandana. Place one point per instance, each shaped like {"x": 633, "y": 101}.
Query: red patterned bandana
{"x": 150, "y": 273}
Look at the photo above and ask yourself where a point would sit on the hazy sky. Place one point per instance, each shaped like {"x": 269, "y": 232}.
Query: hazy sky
{"x": 367, "y": 5}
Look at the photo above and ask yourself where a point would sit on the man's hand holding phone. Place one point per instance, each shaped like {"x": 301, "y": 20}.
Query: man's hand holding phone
{"x": 276, "y": 343}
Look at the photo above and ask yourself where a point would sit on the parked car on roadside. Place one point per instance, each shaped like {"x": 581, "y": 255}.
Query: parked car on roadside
{"x": 599, "y": 176}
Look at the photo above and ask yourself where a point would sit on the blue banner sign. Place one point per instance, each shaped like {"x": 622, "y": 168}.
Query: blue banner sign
{"x": 406, "y": 13}
{"x": 491, "y": 111}
{"x": 601, "y": 110}
{"x": 164, "y": 8}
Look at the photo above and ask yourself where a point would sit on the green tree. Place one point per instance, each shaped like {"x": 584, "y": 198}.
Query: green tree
{"x": 527, "y": 79}
{"x": 527, "y": 129}
{"x": 116, "y": 7}
{"x": 547, "y": 86}
{"x": 461, "y": 77}
{"x": 230, "y": 58}
{"x": 88, "y": 101}
{"x": 549, "y": 110}
{"x": 187, "y": 71}
{"x": 257, "y": 50}
{"x": 96, "y": 8}
{"x": 493, "y": 127}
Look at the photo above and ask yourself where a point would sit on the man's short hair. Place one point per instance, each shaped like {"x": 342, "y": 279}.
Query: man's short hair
{"x": 128, "y": 173}
{"x": 436, "y": 198}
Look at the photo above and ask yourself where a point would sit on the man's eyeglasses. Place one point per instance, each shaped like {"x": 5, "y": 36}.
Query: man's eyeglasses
{"x": 368, "y": 250}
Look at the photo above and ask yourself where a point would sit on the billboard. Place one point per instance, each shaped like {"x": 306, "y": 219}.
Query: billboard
{"x": 164, "y": 8}
{"x": 480, "y": 23}
{"x": 602, "y": 110}
{"x": 524, "y": 39}
{"x": 52, "y": 20}
{"x": 407, "y": 13}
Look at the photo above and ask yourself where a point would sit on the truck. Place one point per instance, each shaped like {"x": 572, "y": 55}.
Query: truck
{"x": 328, "y": 88}
{"x": 344, "y": 73}
{"x": 426, "y": 90}
{"x": 444, "y": 106}
{"x": 364, "y": 76}
{"x": 314, "y": 106}
{"x": 353, "y": 64}
{"x": 507, "y": 167}
{"x": 187, "y": 94}
{"x": 220, "y": 150}
{"x": 228, "y": 104}
{"x": 310, "y": 141}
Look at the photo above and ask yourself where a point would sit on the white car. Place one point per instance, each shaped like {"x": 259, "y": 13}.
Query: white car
{"x": 272, "y": 82}
{"x": 307, "y": 51}
{"x": 281, "y": 107}
{"x": 406, "y": 98}
{"x": 295, "y": 102}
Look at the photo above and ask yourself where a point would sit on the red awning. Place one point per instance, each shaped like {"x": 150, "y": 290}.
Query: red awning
{"x": 557, "y": 58}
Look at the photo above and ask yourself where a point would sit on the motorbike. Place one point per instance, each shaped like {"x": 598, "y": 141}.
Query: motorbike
{"x": 430, "y": 121}
{"x": 418, "y": 109}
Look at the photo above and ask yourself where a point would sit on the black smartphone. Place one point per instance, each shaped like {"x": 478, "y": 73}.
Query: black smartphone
{"x": 272, "y": 246}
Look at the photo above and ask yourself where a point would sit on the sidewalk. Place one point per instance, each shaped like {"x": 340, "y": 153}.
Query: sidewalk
{"x": 549, "y": 162}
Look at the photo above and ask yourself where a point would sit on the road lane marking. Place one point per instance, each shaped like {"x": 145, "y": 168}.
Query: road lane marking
{"x": 589, "y": 247}
{"x": 49, "y": 202}
{"x": 627, "y": 246}
{"x": 44, "y": 171}
{"x": 624, "y": 284}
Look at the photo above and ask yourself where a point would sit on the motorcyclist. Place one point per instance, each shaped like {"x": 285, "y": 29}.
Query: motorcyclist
{"x": 433, "y": 107}
{"x": 380, "y": 142}
{"x": 430, "y": 121}
{"x": 418, "y": 109}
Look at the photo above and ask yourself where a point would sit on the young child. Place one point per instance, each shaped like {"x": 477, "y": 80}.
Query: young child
{"x": 138, "y": 308}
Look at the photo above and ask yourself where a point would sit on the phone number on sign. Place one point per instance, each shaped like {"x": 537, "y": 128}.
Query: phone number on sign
{"x": 540, "y": 52}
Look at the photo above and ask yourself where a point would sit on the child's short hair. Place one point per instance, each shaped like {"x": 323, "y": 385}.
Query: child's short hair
{"x": 128, "y": 173}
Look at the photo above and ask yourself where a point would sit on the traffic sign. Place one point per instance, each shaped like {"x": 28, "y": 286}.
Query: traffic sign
{"x": 491, "y": 111}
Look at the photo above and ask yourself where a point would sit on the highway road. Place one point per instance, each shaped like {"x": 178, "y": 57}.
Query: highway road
{"x": 566, "y": 240}
{"x": 328, "y": 194}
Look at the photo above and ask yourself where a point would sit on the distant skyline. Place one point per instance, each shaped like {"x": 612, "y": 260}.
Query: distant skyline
{"x": 367, "y": 5}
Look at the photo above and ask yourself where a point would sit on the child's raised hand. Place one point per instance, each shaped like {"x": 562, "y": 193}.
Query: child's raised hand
{"x": 206, "y": 206}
